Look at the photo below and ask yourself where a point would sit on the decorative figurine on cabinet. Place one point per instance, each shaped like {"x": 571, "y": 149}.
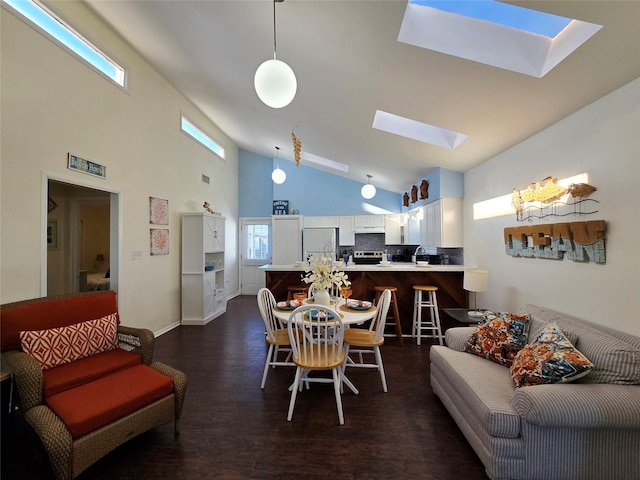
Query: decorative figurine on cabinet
{"x": 424, "y": 189}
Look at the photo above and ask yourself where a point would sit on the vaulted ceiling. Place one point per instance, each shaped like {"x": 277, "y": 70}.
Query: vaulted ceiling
{"x": 349, "y": 64}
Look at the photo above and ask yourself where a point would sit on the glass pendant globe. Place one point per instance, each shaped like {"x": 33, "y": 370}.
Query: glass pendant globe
{"x": 278, "y": 176}
{"x": 368, "y": 191}
{"x": 275, "y": 83}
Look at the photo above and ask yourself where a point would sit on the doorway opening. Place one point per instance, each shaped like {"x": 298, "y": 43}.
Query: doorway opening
{"x": 80, "y": 237}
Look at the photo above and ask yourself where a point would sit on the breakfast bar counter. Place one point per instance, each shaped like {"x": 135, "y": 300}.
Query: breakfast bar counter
{"x": 448, "y": 279}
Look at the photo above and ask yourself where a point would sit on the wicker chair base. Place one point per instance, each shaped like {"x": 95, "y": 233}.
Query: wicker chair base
{"x": 70, "y": 458}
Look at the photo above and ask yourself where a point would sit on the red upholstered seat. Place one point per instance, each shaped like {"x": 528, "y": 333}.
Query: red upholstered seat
{"x": 74, "y": 374}
{"x": 88, "y": 407}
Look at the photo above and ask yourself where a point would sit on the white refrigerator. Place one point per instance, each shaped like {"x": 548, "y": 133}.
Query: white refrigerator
{"x": 320, "y": 241}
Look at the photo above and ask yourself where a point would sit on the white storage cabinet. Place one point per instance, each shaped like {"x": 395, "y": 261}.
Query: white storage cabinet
{"x": 203, "y": 294}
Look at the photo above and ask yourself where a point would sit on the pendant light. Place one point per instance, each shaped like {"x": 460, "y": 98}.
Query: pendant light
{"x": 274, "y": 81}
{"x": 278, "y": 176}
{"x": 368, "y": 191}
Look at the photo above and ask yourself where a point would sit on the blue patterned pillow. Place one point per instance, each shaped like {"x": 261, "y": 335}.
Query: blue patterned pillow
{"x": 550, "y": 358}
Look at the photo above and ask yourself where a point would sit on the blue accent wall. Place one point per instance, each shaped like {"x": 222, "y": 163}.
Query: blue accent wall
{"x": 310, "y": 191}
{"x": 255, "y": 188}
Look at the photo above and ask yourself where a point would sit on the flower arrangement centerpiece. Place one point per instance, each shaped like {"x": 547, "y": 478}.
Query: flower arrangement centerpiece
{"x": 322, "y": 274}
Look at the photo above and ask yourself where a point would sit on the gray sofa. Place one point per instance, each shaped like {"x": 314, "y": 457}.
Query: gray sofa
{"x": 588, "y": 429}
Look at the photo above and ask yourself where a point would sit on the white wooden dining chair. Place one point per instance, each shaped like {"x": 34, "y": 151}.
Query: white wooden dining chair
{"x": 360, "y": 341}
{"x": 276, "y": 335}
{"x": 316, "y": 336}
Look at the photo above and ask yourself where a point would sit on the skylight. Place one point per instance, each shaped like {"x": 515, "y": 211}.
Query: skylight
{"x": 64, "y": 34}
{"x": 423, "y": 132}
{"x": 325, "y": 162}
{"x": 504, "y": 14}
{"x": 202, "y": 138}
{"x": 504, "y": 36}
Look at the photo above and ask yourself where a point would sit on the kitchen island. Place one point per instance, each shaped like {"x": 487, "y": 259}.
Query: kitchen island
{"x": 402, "y": 275}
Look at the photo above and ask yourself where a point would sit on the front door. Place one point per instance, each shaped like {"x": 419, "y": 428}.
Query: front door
{"x": 255, "y": 251}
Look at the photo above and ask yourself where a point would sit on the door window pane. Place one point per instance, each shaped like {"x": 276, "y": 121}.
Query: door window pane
{"x": 258, "y": 247}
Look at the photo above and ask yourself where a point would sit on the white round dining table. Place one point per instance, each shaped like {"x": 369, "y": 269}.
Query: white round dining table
{"x": 349, "y": 316}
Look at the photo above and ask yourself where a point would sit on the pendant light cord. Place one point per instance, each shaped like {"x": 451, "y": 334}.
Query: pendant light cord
{"x": 274, "y": 30}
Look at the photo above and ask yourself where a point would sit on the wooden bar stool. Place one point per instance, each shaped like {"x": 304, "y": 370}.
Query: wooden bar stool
{"x": 291, "y": 289}
{"x": 393, "y": 310}
{"x": 432, "y": 325}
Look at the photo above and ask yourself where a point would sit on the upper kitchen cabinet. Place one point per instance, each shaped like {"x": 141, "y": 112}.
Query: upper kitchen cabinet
{"x": 360, "y": 221}
{"x": 368, "y": 223}
{"x": 286, "y": 239}
{"x": 324, "y": 221}
{"x": 346, "y": 234}
{"x": 393, "y": 229}
{"x": 411, "y": 230}
{"x": 441, "y": 225}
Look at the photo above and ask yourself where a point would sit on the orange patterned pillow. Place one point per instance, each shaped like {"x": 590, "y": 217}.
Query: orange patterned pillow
{"x": 499, "y": 337}
{"x": 57, "y": 346}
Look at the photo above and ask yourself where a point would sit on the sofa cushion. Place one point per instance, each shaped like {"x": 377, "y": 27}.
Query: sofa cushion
{"x": 90, "y": 406}
{"x": 614, "y": 361}
{"x": 45, "y": 313}
{"x": 550, "y": 358}
{"x": 484, "y": 388}
{"x": 56, "y": 346}
{"x": 85, "y": 370}
{"x": 499, "y": 337}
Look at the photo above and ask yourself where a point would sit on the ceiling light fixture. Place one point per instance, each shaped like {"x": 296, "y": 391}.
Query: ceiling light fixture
{"x": 368, "y": 191}
{"x": 274, "y": 81}
{"x": 278, "y": 176}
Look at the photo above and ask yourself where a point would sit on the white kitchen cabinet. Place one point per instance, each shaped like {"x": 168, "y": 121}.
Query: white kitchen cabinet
{"x": 346, "y": 234}
{"x": 203, "y": 293}
{"x": 411, "y": 229}
{"x": 286, "y": 239}
{"x": 364, "y": 221}
{"x": 441, "y": 225}
{"x": 324, "y": 221}
{"x": 393, "y": 229}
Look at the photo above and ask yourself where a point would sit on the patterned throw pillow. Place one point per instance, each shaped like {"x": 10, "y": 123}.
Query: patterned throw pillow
{"x": 550, "y": 358}
{"x": 499, "y": 337}
{"x": 57, "y": 346}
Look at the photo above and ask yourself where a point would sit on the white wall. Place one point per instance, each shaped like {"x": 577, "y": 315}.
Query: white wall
{"x": 602, "y": 140}
{"x": 53, "y": 104}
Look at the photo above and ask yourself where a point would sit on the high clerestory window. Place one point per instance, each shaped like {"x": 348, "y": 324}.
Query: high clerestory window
{"x": 62, "y": 33}
{"x": 202, "y": 138}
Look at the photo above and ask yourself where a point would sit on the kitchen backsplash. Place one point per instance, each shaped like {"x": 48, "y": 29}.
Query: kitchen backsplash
{"x": 369, "y": 242}
{"x": 375, "y": 242}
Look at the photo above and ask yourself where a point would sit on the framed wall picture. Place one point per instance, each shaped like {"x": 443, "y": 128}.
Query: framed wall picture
{"x": 52, "y": 235}
{"x": 159, "y": 241}
{"x": 158, "y": 211}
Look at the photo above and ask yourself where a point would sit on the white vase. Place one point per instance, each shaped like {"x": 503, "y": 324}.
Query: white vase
{"x": 322, "y": 297}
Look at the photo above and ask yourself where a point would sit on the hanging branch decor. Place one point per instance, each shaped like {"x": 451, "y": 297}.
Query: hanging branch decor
{"x": 297, "y": 147}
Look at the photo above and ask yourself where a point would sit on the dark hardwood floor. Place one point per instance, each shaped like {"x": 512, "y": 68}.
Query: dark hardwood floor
{"x": 231, "y": 429}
